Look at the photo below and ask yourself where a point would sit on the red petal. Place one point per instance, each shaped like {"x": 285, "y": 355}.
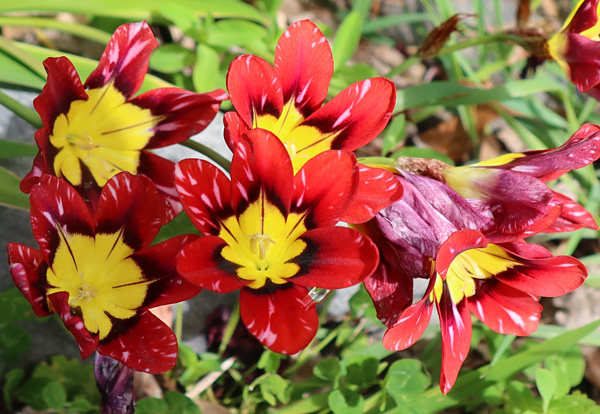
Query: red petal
{"x": 377, "y": 189}
{"x": 261, "y": 167}
{"x": 74, "y": 323}
{"x": 235, "y": 128}
{"x": 202, "y": 264}
{"x": 584, "y": 18}
{"x": 125, "y": 59}
{"x": 456, "y": 329}
{"x": 581, "y": 149}
{"x": 410, "y": 327}
{"x": 581, "y": 55}
{"x": 132, "y": 205}
{"x": 162, "y": 173}
{"x": 254, "y": 88}
{"x": 281, "y": 318}
{"x": 42, "y": 163}
{"x": 572, "y": 217}
{"x": 503, "y": 309}
{"x": 357, "y": 114}
{"x": 147, "y": 345}
{"x": 335, "y": 258}
{"x": 183, "y": 113}
{"x": 56, "y": 210}
{"x": 63, "y": 86}
{"x": 324, "y": 187}
{"x": 28, "y": 271}
{"x": 541, "y": 276}
{"x": 304, "y": 63}
{"x": 456, "y": 244}
{"x": 158, "y": 264}
{"x": 205, "y": 193}
{"x": 391, "y": 292}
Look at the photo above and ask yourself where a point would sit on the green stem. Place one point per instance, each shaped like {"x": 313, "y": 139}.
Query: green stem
{"x": 209, "y": 152}
{"x": 476, "y": 41}
{"x": 480, "y": 40}
{"x": 309, "y": 352}
{"x": 22, "y": 57}
{"x": 232, "y": 323}
{"x": 22, "y": 111}
{"x": 179, "y": 321}
{"x": 85, "y": 32}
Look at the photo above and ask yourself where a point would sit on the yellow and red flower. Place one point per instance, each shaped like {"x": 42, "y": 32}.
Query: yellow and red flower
{"x": 576, "y": 47}
{"x": 97, "y": 270}
{"x": 273, "y": 235}
{"x": 287, "y": 99}
{"x": 433, "y": 233}
{"x": 95, "y": 130}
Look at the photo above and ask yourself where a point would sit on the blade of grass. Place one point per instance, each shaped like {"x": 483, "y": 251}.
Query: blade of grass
{"x": 22, "y": 111}
{"x": 80, "y": 30}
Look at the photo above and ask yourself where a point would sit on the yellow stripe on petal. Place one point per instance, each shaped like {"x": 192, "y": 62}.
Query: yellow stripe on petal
{"x": 101, "y": 278}
{"x": 501, "y": 160}
{"x": 472, "y": 264}
{"x": 462, "y": 179}
{"x": 105, "y": 133}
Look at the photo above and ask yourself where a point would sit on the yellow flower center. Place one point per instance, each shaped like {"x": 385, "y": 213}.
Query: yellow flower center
{"x": 105, "y": 133}
{"x": 301, "y": 141}
{"x": 263, "y": 244}
{"x": 472, "y": 264}
{"x": 101, "y": 278}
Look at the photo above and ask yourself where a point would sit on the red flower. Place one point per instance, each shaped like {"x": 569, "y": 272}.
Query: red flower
{"x": 273, "y": 235}
{"x": 287, "y": 100}
{"x": 576, "y": 47}
{"x": 513, "y": 186}
{"x": 432, "y": 233}
{"x": 95, "y": 130}
{"x": 98, "y": 272}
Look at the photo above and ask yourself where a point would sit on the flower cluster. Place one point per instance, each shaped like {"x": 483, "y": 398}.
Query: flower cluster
{"x": 270, "y": 229}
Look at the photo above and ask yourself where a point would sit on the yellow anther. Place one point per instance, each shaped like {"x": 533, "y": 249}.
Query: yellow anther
{"x": 260, "y": 244}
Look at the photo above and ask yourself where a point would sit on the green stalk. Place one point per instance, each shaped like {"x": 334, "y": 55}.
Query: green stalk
{"x": 22, "y": 111}
{"x": 481, "y": 40}
{"x": 232, "y": 323}
{"x": 85, "y": 32}
{"x": 22, "y": 57}
{"x": 209, "y": 152}
{"x": 179, "y": 321}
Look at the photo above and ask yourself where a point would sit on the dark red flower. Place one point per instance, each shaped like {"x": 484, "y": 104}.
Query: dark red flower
{"x": 273, "y": 235}
{"x": 95, "y": 130}
{"x": 99, "y": 272}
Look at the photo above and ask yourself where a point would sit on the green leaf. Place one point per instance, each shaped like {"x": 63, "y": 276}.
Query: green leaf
{"x": 269, "y": 361}
{"x": 80, "y": 405}
{"x": 328, "y": 369}
{"x": 393, "y": 134}
{"x": 405, "y": 380}
{"x": 54, "y": 396}
{"x": 151, "y": 406}
{"x": 546, "y": 385}
{"x": 520, "y": 398}
{"x": 384, "y": 22}
{"x": 10, "y": 194}
{"x": 31, "y": 392}
{"x": 346, "y": 39}
{"x": 361, "y": 304}
{"x": 171, "y": 58}
{"x": 14, "y": 340}
{"x": 15, "y": 73}
{"x": 452, "y": 94}
{"x": 234, "y": 32}
{"x": 361, "y": 370}
{"x": 183, "y": 17}
{"x": 572, "y": 404}
{"x": 187, "y": 356}
{"x": 13, "y": 379}
{"x": 206, "y": 69}
{"x": 273, "y": 387}
{"x": 133, "y": 10}
{"x": 14, "y": 306}
{"x": 12, "y": 149}
{"x": 346, "y": 401}
{"x": 180, "y": 404}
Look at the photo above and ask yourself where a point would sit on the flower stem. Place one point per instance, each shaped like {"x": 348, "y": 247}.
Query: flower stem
{"x": 22, "y": 111}
{"x": 232, "y": 323}
{"x": 209, "y": 152}
{"x": 85, "y": 32}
